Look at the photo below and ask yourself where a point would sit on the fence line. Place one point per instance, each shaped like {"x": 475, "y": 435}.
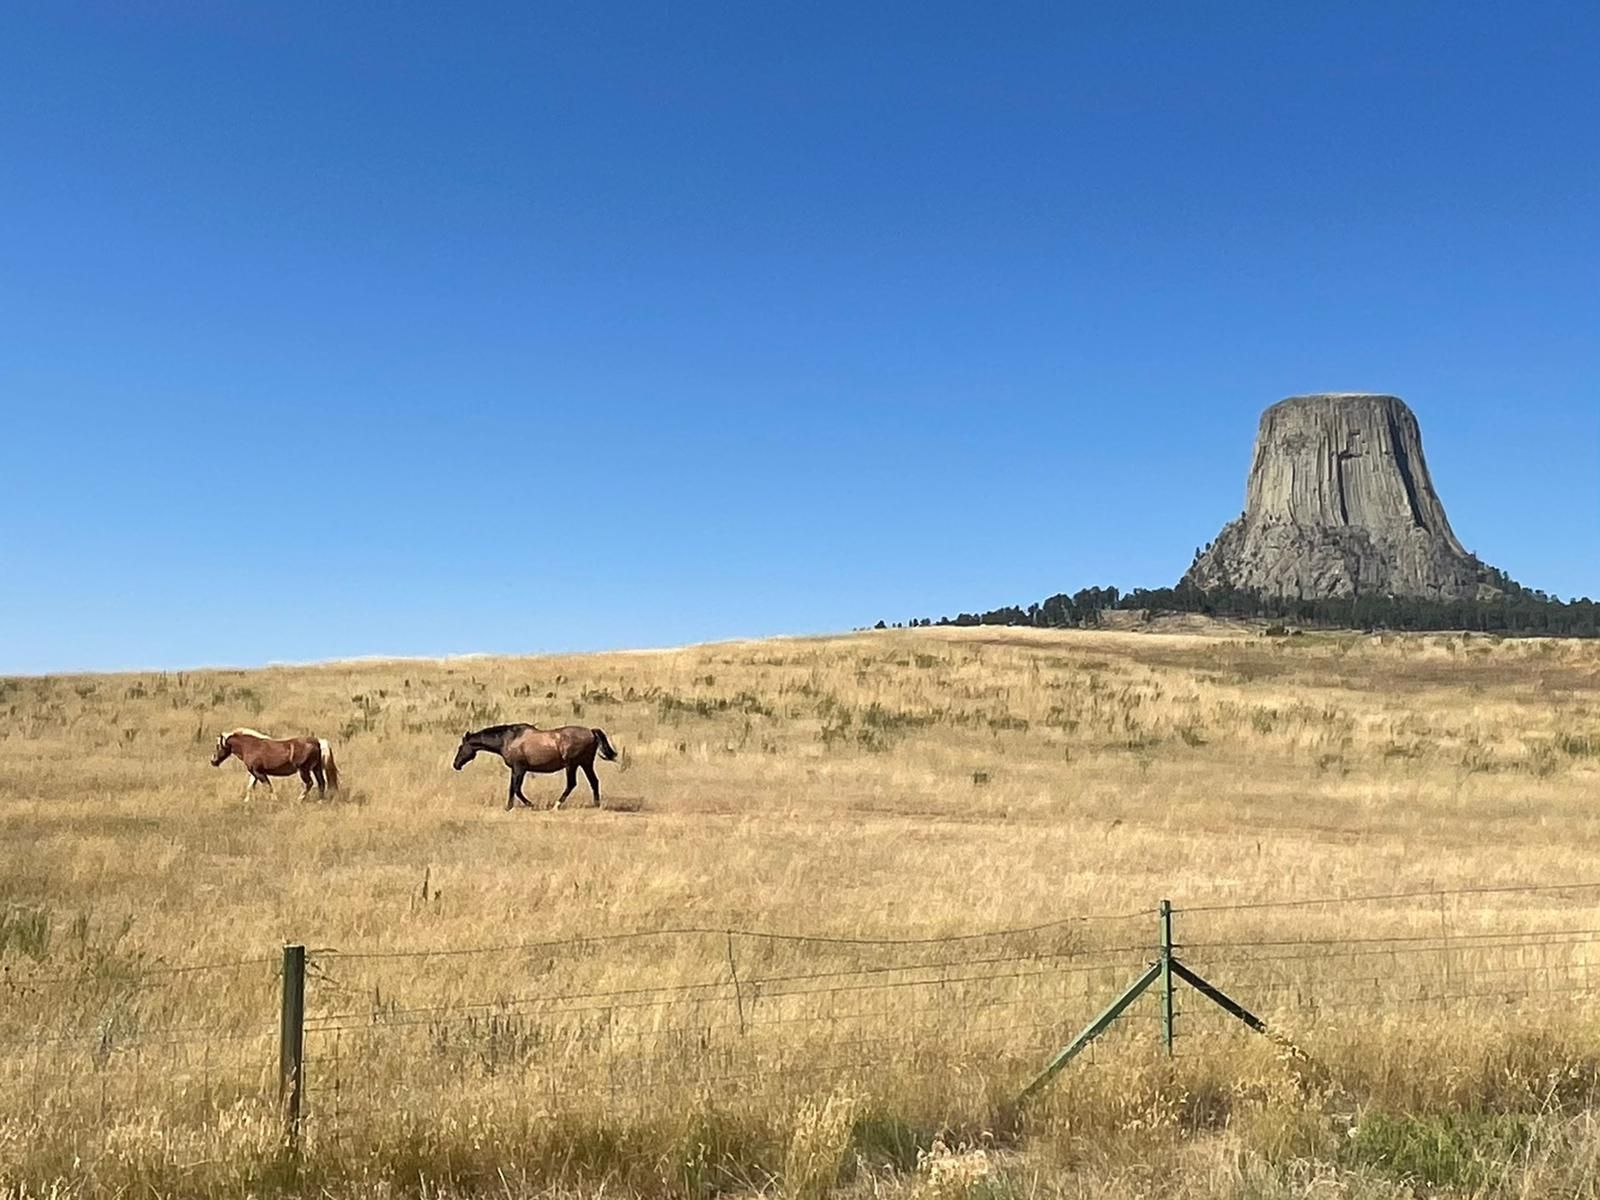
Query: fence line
{"x": 767, "y": 935}
{"x": 1426, "y": 894}
{"x": 1269, "y": 943}
{"x": 130, "y": 976}
{"x": 198, "y": 1036}
{"x": 763, "y": 1009}
{"x": 758, "y": 988}
{"x": 381, "y": 1022}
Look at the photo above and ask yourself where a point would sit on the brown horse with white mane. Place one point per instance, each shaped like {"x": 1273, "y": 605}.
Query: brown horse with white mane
{"x": 264, "y": 757}
{"x": 543, "y": 751}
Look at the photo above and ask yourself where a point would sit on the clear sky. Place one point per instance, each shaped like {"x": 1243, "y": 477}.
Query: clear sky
{"x": 343, "y": 329}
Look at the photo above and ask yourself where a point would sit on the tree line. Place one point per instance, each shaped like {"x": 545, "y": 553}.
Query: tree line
{"x": 1516, "y": 611}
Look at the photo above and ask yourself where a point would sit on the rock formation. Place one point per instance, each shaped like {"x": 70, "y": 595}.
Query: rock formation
{"x": 1339, "y": 503}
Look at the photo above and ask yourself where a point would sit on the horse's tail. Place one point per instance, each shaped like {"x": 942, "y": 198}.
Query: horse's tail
{"x": 607, "y": 750}
{"x": 329, "y": 767}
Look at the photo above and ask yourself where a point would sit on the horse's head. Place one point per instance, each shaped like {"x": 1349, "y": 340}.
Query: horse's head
{"x": 465, "y": 752}
{"x": 220, "y": 754}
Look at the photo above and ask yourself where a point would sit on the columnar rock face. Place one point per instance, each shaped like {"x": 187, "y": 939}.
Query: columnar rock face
{"x": 1339, "y": 503}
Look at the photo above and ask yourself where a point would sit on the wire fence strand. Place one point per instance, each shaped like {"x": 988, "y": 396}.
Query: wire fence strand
{"x": 748, "y": 934}
{"x": 1425, "y": 894}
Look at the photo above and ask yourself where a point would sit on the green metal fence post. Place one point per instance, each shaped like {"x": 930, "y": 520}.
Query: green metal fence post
{"x": 1167, "y": 1015}
{"x": 1165, "y": 970}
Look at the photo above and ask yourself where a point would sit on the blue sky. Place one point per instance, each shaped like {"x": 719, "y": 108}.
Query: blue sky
{"x": 352, "y": 329}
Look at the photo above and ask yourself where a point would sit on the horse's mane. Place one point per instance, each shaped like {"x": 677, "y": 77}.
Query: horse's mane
{"x": 499, "y": 730}
{"x": 248, "y": 733}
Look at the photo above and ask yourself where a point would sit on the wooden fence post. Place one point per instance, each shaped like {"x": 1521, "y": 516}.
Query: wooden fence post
{"x": 733, "y": 973}
{"x": 291, "y": 1044}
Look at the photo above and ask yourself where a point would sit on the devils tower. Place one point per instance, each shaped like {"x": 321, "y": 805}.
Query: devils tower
{"x": 1339, "y": 503}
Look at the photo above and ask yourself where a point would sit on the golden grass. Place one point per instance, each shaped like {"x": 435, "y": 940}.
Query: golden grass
{"x": 904, "y": 784}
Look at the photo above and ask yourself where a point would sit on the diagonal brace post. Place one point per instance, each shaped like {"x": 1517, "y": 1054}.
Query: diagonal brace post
{"x": 1095, "y": 1028}
{"x": 1218, "y": 997}
{"x": 1233, "y": 1008}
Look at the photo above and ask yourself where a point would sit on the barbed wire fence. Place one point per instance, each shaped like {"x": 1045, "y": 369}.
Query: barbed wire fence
{"x": 1300, "y": 966}
{"x": 637, "y": 1023}
{"x": 116, "y": 1036}
{"x": 728, "y": 1013}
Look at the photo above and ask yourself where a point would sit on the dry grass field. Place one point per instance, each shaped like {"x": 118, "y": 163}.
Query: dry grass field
{"x": 845, "y": 898}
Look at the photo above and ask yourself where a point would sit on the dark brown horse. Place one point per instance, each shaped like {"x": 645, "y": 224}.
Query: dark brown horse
{"x": 543, "y": 751}
{"x": 263, "y": 757}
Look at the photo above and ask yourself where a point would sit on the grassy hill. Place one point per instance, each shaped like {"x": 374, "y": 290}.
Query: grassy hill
{"x": 884, "y": 787}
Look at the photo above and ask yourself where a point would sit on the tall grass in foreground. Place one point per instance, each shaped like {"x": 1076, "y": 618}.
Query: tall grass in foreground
{"x": 1512, "y": 1115}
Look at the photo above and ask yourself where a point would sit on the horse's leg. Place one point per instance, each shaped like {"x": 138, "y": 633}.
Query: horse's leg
{"x": 305, "y": 779}
{"x": 515, "y": 794}
{"x": 249, "y": 785}
{"x": 594, "y": 782}
{"x": 572, "y": 782}
{"x": 322, "y": 781}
